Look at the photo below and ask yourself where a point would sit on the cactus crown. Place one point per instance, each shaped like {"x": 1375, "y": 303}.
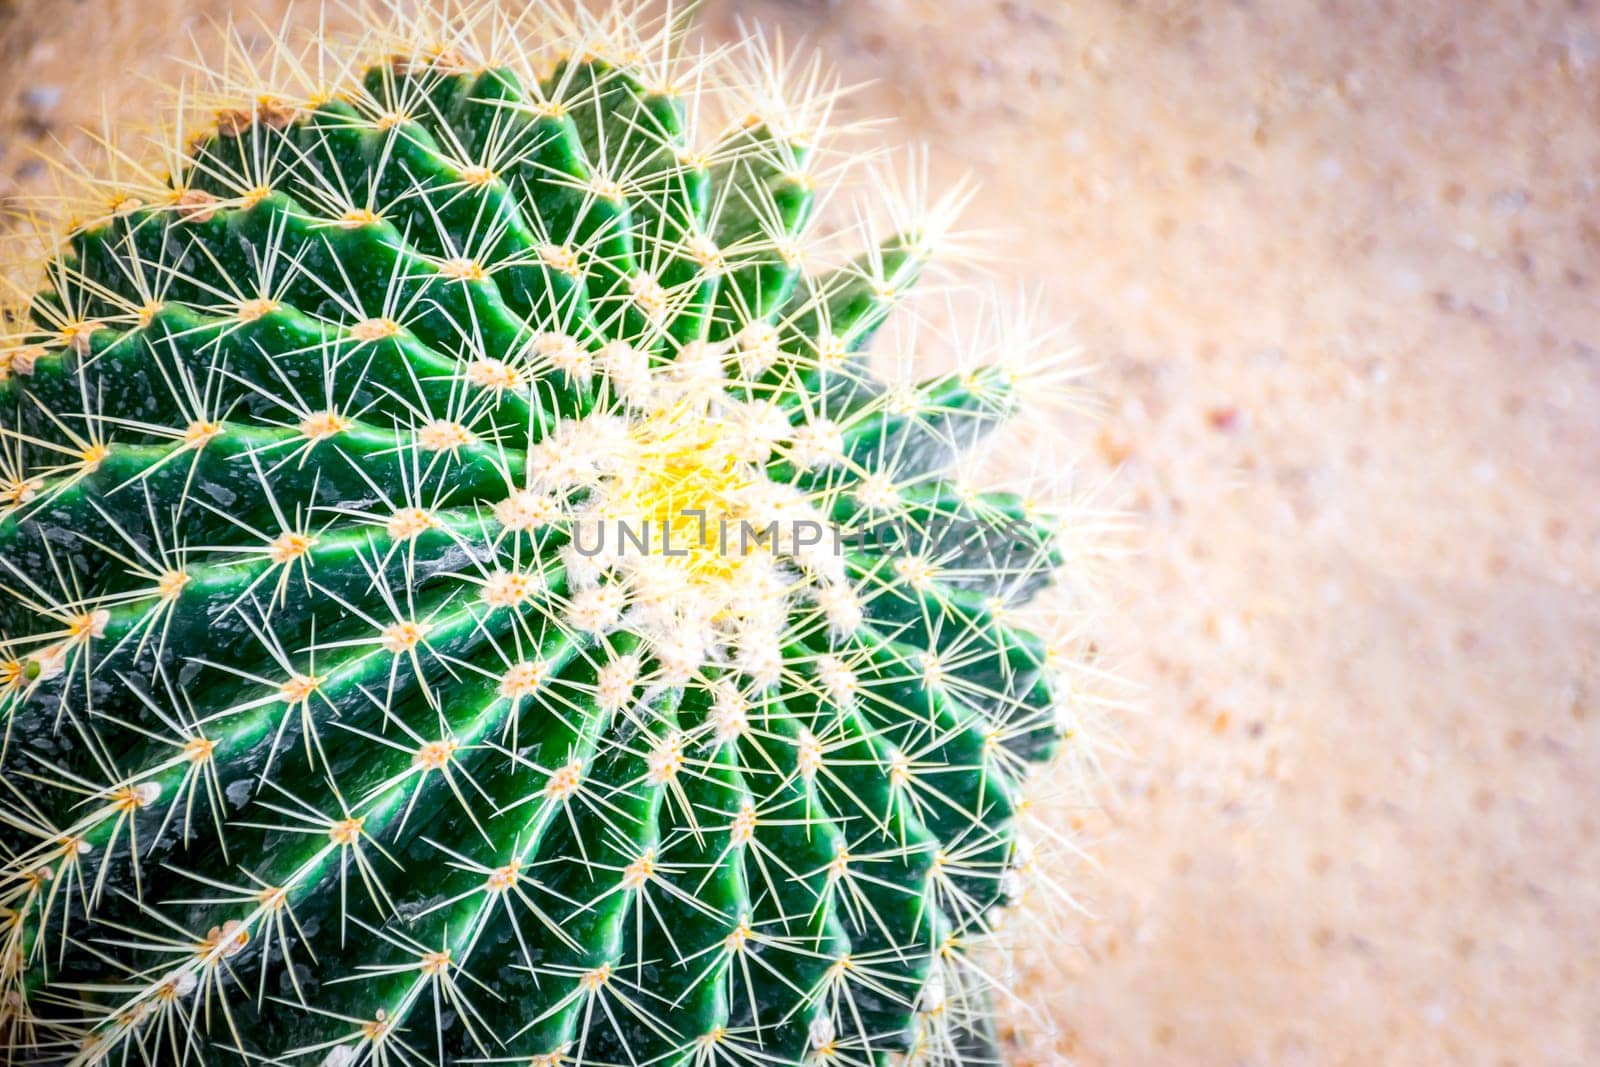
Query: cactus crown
{"x": 465, "y": 598}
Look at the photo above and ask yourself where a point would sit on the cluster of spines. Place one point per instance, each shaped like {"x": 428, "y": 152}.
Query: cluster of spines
{"x": 293, "y": 697}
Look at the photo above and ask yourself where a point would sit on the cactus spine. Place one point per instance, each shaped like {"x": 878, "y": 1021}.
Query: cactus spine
{"x": 345, "y": 724}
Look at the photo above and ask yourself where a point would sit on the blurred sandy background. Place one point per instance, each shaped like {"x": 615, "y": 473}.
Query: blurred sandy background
{"x": 1338, "y": 265}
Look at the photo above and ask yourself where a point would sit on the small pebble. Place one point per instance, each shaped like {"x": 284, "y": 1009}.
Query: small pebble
{"x": 41, "y": 100}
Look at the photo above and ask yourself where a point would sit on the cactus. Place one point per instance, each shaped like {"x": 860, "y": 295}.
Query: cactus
{"x": 465, "y": 596}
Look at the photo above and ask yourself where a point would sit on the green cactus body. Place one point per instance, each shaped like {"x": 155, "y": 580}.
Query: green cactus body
{"x": 337, "y": 728}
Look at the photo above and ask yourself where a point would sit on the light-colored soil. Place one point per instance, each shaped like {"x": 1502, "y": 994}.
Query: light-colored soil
{"x": 1338, "y": 264}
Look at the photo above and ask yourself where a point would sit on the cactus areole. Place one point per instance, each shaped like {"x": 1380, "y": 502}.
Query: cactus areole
{"x": 441, "y": 617}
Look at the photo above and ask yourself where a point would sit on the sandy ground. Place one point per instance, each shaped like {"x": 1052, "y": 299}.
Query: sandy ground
{"x": 1336, "y": 263}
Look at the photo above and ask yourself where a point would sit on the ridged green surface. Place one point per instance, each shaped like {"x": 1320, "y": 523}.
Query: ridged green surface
{"x": 316, "y": 755}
